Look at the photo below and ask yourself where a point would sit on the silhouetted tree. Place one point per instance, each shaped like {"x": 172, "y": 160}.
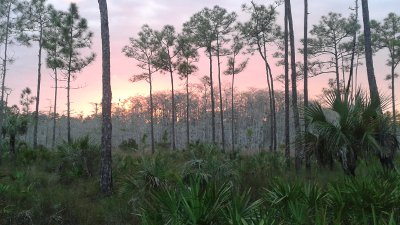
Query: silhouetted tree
{"x": 260, "y": 31}
{"x": 76, "y": 37}
{"x": 52, "y": 43}
{"x": 143, "y": 49}
{"x": 387, "y": 36}
{"x": 233, "y": 69}
{"x": 167, "y": 40}
{"x": 200, "y": 29}
{"x": 187, "y": 56}
{"x": 221, "y": 22}
{"x": 35, "y": 16}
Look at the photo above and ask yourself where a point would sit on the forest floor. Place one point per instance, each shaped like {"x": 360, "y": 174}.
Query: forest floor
{"x": 62, "y": 187}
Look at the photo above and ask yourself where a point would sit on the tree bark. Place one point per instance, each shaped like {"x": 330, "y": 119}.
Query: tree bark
{"x": 4, "y": 76}
{"x": 106, "y": 157}
{"x": 305, "y": 71}
{"x": 221, "y": 109}
{"x": 393, "y": 100}
{"x": 353, "y": 52}
{"x": 187, "y": 113}
{"x": 287, "y": 94}
{"x": 173, "y": 109}
{"x": 36, "y": 115}
{"x": 373, "y": 87}
{"x": 153, "y": 149}
{"x": 68, "y": 90}
{"x": 53, "y": 142}
{"x": 298, "y": 150}
{"x": 233, "y": 110}
{"x": 212, "y": 99}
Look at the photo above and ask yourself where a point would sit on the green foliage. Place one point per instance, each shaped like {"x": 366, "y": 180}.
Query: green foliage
{"x": 80, "y": 158}
{"x": 164, "y": 144}
{"x": 349, "y": 129}
{"x": 128, "y": 145}
{"x": 199, "y": 186}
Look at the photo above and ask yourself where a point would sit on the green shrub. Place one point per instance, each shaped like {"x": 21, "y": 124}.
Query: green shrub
{"x": 128, "y": 145}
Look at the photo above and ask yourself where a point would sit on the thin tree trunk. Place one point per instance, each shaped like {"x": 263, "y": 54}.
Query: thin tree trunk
{"x": 55, "y": 109}
{"x": 298, "y": 150}
{"x": 4, "y": 76}
{"x": 36, "y": 116}
{"x": 212, "y": 99}
{"x": 353, "y": 52}
{"x": 173, "y": 108}
{"x": 233, "y": 111}
{"x": 106, "y": 157}
{"x": 337, "y": 71}
{"x": 12, "y": 146}
{"x": 393, "y": 100}
{"x": 287, "y": 95}
{"x": 373, "y": 87}
{"x": 187, "y": 113}
{"x": 274, "y": 138}
{"x": 270, "y": 108}
{"x": 220, "y": 99}
{"x": 68, "y": 91}
{"x": 305, "y": 71}
{"x": 153, "y": 150}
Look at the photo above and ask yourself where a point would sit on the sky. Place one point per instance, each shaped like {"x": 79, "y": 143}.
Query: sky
{"x": 125, "y": 19}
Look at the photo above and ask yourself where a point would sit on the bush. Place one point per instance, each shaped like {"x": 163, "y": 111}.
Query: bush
{"x": 128, "y": 145}
{"x": 80, "y": 158}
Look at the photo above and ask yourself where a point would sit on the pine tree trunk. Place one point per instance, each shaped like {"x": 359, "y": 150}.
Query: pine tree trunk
{"x": 305, "y": 59}
{"x": 106, "y": 157}
{"x": 53, "y": 142}
{"x": 187, "y": 113}
{"x": 36, "y": 115}
{"x": 4, "y": 76}
{"x": 173, "y": 109}
{"x": 153, "y": 149}
{"x": 287, "y": 95}
{"x": 393, "y": 101}
{"x": 233, "y": 109}
{"x": 373, "y": 87}
{"x": 221, "y": 109}
{"x": 273, "y": 103}
{"x": 68, "y": 91}
{"x": 298, "y": 150}
{"x": 212, "y": 99}
{"x": 353, "y": 52}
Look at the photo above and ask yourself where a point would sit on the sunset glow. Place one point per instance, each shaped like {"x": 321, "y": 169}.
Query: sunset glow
{"x": 126, "y": 18}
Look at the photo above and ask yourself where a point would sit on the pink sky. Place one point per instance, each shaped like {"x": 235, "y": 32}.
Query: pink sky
{"x": 127, "y": 16}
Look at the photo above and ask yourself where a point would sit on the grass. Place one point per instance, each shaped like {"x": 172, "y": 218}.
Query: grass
{"x": 200, "y": 186}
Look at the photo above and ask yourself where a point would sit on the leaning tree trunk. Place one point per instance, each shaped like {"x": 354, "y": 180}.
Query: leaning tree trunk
{"x": 173, "y": 108}
{"x": 298, "y": 150}
{"x": 36, "y": 115}
{"x": 106, "y": 158}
